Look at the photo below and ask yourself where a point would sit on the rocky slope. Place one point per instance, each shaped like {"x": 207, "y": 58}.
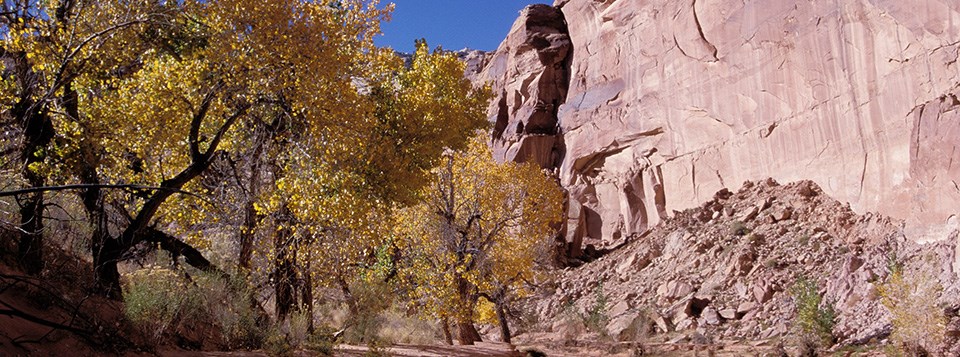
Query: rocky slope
{"x": 724, "y": 271}
{"x": 646, "y": 107}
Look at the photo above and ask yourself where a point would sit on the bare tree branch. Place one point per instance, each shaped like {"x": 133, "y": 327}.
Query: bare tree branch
{"x": 87, "y": 186}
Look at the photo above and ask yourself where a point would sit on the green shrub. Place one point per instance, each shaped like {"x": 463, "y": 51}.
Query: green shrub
{"x": 371, "y": 301}
{"x": 156, "y": 303}
{"x": 229, "y": 305}
{"x": 815, "y": 319}
{"x": 159, "y": 301}
{"x": 298, "y": 328}
{"x": 277, "y": 343}
{"x": 321, "y": 341}
{"x": 572, "y": 324}
{"x": 595, "y": 318}
{"x": 739, "y": 229}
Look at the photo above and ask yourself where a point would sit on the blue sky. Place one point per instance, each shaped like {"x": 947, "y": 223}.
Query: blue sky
{"x": 453, "y": 24}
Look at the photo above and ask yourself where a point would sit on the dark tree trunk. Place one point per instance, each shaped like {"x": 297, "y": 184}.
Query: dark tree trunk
{"x": 348, "y": 296}
{"x": 105, "y": 271}
{"x": 284, "y": 287}
{"x": 285, "y": 275}
{"x": 250, "y": 218}
{"x": 247, "y": 234}
{"x": 106, "y": 252}
{"x": 38, "y": 132}
{"x": 467, "y": 333}
{"x": 502, "y": 317}
{"x": 306, "y": 293}
{"x": 30, "y": 248}
{"x": 447, "y": 336}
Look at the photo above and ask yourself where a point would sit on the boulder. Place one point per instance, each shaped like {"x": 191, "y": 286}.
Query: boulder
{"x": 711, "y": 316}
{"x": 674, "y": 289}
{"x": 627, "y": 327}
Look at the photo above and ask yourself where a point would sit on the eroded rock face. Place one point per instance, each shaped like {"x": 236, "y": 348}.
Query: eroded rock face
{"x": 667, "y": 102}
{"x": 530, "y": 74}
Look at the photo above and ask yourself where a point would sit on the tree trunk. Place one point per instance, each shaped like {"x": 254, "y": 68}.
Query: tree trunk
{"x": 306, "y": 294}
{"x": 445, "y": 325}
{"x": 103, "y": 249}
{"x": 30, "y": 247}
{"x": 250, "y": 218}
{"x": 467, "y": 333}
{"x": 106, "y": 252}
{"x": 284, "y": 286}
{"x": 38, "y": 132}
{"x": 247, "y": 234}
{"x": 105, "y": 259}
{"x": 285, "y": 276}
{"x": 348, "y": 296}
{"x": 502, "y": 317}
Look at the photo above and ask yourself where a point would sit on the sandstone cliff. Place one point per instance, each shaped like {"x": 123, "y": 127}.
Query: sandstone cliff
{"x": 647, "y": 107}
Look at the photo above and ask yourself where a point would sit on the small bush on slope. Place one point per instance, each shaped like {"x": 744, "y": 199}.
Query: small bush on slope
{"x": 159, "y": 301}
{"x": 815, "y": 319}
{"x": 918, "y": 323}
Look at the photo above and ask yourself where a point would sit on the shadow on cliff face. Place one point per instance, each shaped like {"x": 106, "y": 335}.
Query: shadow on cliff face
{"x": 527, "y": 127}
{"x": 526, "y": 118}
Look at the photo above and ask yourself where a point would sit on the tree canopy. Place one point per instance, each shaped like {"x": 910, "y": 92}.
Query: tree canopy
{"x": 480, "y": 229}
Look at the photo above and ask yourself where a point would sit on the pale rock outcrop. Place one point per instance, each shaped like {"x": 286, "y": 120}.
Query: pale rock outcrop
{"x": 662, "y": 103}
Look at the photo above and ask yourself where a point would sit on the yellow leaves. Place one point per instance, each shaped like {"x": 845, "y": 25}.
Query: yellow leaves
{"x": 486, "y": 312}
{"x": 480, "y": 222}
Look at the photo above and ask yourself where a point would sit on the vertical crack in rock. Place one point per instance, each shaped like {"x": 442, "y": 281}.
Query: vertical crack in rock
{"x": 660, "y": 198}
{"x": 915, "y": 148}
{"x": 863, "y": 173}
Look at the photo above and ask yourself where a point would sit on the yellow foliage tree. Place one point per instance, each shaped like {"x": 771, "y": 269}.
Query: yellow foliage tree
{"x": 153, "y": 94}
{"x": 918, "y": 322}
{"x": 48, "y": 48}
{"x": 338, "y": 198}
{"x": 478, "y": 231}
{"x": 229, "y": 62}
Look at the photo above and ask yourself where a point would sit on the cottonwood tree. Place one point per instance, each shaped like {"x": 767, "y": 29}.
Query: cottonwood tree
{"x": 336, "y": 198}
{"x": 300, "y": 59}
{"x": 477, "y": 232}
{"x": 48, "y": 47}
{"x": 174, "y": 93}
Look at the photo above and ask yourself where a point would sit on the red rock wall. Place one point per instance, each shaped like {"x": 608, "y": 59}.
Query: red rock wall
{"x": 662, "y": 103}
